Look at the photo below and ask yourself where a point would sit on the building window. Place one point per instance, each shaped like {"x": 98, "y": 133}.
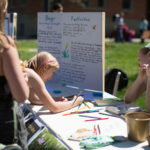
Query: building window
{"x": 94, "y": 5}
{"x": 101, "y": 3}
{"x": 12, "y": 4}
{"x": 22, "y": 3}
{"x": 126, "y": 4}
{"x": 86, "y": 3}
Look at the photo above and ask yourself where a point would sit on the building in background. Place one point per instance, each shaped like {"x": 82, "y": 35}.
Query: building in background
{"x": 27, "y": 11}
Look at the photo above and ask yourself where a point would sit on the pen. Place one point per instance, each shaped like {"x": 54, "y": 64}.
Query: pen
{"x": 99, "y": 131}
{"x": 96, "y": 119}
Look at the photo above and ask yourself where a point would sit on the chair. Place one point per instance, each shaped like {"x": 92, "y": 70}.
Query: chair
{"x": 115, "y": 80}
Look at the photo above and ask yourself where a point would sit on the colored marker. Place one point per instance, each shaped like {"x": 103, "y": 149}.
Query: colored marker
{"x": 86, "y": 111}
{"x": 79, "y": 106}
{"x": 81, "y": 109}
{"x": 86, "y": 104}
{"x": 95, "y": 130}
{"x": 89, "y": 116}
{"x": 96, "y": 119}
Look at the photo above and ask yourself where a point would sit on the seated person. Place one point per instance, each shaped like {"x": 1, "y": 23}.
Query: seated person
{"x": 142, "y": 82}
{"x": 40, "y": 68}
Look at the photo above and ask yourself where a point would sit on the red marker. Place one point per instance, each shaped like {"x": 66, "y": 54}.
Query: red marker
{"x": 96, "y": 119}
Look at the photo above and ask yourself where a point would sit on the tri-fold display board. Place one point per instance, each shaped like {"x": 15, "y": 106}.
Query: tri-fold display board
{"x": 10, "y": 25}
{"x": 77, "y": 40}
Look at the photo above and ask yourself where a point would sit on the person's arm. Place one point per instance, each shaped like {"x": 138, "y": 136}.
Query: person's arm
{"x": 34, "y": 99}
{"x": 63, "y": 99}
{"x": 38, "y": 86}
{"x": 148, "y": 90}
{"x": 13, "y": 73}
{"x": 136, "y": 89}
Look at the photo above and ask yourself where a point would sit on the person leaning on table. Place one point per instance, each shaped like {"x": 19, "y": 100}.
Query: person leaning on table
{"x": 12, "y": 84}
{"x": 41, "y": 68}
{"x": 142, "y": 82}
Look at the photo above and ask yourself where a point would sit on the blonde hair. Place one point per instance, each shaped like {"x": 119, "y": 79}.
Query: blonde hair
{"x": 42, "y": 62}
{"x": 5, "y": 40}
{"x": 3, "y": 11}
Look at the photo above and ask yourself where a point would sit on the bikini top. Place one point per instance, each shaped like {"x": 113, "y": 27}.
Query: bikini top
{"x": 6, "y": 99}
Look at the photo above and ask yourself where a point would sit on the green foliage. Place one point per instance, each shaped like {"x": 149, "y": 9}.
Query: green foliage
{"x": 117, "y": 55}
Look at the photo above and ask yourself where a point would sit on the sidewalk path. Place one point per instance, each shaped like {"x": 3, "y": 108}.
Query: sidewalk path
{"x": 133, "y": 40}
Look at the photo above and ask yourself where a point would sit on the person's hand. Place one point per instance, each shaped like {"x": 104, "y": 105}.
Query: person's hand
{"x": 77, "y": 100}
{"x": 143, "y": 69}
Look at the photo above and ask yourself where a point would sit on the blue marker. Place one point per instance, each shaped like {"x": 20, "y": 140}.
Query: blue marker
{"x": 79, "y": 106}
{"x": 89, "y": 116}
{"x": 95, "y": 110}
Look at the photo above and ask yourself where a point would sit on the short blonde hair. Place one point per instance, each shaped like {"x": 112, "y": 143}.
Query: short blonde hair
{"x": 42, "y": 62}
{"x": 5, "y": 40}
{"x": 3, "y": 11}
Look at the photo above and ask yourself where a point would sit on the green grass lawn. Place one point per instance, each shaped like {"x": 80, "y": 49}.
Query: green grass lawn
{"x": 27, "y": 49}
{"x": 117, "y": 55}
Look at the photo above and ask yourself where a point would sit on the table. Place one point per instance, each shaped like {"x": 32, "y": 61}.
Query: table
{"x": 64, "y": 126}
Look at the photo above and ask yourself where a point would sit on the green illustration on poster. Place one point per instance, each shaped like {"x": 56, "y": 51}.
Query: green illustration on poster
{"x": 65, "y": 52}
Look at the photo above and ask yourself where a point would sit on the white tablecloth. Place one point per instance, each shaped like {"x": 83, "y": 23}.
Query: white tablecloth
{"x": 64, "y": 126}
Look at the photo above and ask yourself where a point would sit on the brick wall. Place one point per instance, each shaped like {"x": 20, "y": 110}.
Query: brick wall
{"x": 27, "y": 13}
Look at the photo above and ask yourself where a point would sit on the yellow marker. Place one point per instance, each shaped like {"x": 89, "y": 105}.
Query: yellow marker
{"x": 86, "y": 104}
{"x": 82, "y": 108}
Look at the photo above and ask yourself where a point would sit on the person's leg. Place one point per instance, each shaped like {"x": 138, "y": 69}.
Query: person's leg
{"x": 141, "y": 33}
{"x": 120, "y": 37}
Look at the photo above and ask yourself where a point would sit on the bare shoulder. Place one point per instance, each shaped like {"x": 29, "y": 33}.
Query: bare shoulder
{"x": 32, "y": 74}
{"x": 6, "y": 41}
{"x": 33, "y": 78}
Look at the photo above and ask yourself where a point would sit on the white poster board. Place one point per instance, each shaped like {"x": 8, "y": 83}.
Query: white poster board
{"x": 10, "y": 25}
{"x": 7, "y": 25}
{"x": 77, "y": 41}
